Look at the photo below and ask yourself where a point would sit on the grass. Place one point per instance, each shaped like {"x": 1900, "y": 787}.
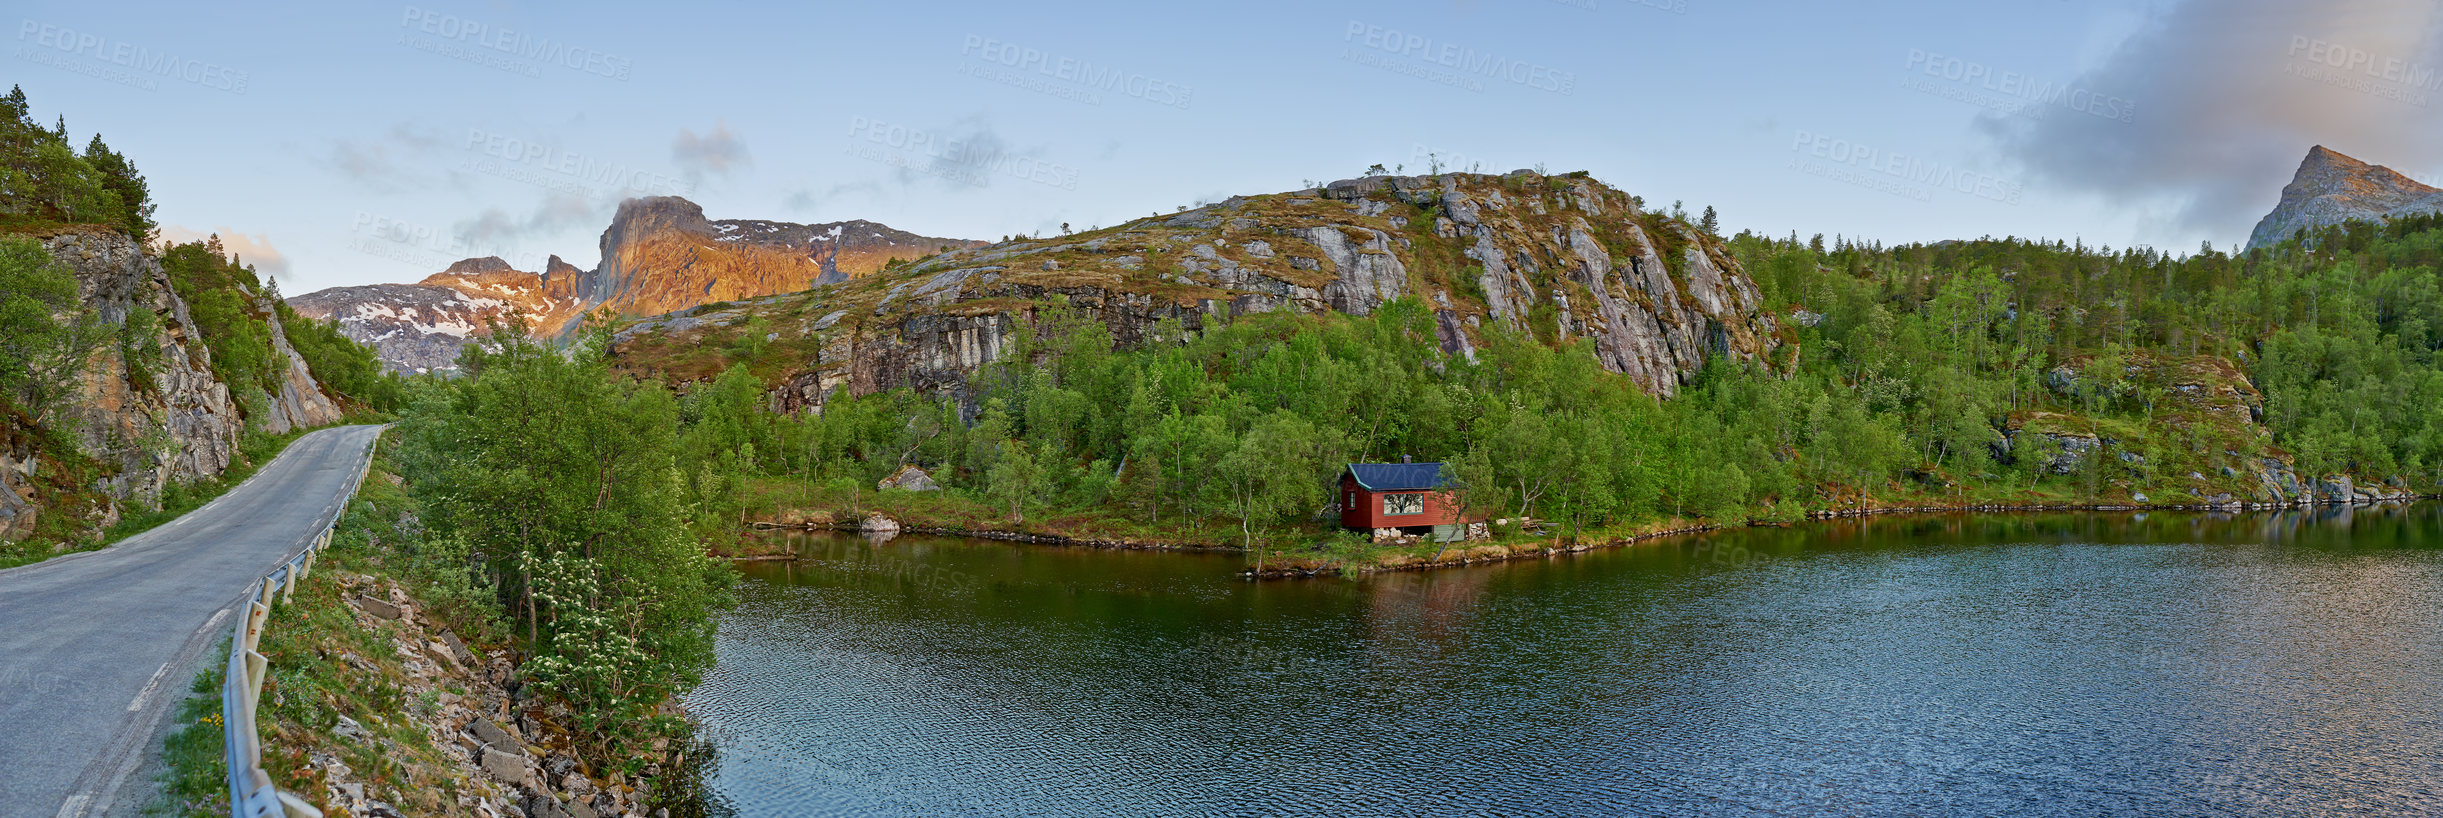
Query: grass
{"x": 195, "y": 780}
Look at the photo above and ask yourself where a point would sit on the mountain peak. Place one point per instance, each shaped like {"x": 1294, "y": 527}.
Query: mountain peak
{"x": 480, "y": 266}
{"x": 2331, "y": 187}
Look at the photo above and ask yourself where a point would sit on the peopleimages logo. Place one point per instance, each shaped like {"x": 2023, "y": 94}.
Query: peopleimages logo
{"x": 1092, "y": 79}
{"x": 451, "y": 28}
{"x": 141, "y": 63}
{"x": 2389, "y": 69}
{"x": 1458, "y": 58}
{"x": 2027, "y": 91}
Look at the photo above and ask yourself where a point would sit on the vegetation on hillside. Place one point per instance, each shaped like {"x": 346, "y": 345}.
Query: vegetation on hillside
{"x": 43, "y": 180}
{"x": 1964, "y": 372}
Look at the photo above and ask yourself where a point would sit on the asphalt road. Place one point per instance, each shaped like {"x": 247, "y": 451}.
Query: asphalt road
{"x": 96, "y": 647}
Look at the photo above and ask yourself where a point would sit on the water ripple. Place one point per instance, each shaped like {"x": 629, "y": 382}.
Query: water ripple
{"x": 2066, "y": 665}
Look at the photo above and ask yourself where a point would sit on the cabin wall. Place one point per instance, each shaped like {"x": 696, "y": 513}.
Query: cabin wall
{"x": 1366, "y": 512}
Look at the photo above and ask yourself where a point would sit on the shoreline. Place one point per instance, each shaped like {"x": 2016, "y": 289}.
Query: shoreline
{"x": 1483, "y": 553}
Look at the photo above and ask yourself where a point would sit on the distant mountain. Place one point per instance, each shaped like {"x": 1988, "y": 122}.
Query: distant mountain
{"x": 2331, "y": 188}
{"x": 419, "y": 327}
{"x": 659, "y": 255}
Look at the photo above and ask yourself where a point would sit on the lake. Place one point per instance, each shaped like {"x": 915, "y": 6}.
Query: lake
{"x": 2070, "y": 664}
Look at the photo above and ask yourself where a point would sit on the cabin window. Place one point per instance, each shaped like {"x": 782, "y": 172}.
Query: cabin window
{"x": 1399, "y": 504}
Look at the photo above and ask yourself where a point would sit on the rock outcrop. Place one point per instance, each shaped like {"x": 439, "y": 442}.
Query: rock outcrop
{"x": 1556, "y": 257}
{"x": 659, "y": 255}
{"x": 2330, "y": 189}
{"x": 179, "y": 421}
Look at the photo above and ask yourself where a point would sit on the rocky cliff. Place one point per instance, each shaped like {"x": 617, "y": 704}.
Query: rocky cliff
{"x": 2331, "y": 188}
{"x": 177, "y": 421}
{"x": 1557, "y": 257}
{"x": 659, "y": 255}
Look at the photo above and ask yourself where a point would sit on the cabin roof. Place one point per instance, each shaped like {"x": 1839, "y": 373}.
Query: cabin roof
{"x": 1397, "y": 476}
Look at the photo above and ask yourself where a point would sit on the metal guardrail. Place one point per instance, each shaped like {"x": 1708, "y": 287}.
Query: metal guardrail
{"x": 251, "y": 794}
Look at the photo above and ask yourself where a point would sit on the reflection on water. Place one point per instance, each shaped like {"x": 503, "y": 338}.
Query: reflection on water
{"x": 2160, "y": 664}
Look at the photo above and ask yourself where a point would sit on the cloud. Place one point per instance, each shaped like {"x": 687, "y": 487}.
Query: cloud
{"x": 2225, "y": 97}
{"x": 256, "y": 250}
{"x": 557, "y": 211}
{"x": 717, "y": 153}
{"x": 388, "y": 163}
{"x": 971, "y": 155}
{"x": 806, "y": 200}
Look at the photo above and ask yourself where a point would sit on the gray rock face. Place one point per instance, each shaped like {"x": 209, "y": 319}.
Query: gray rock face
{"x": 1369, "y": 273}
{"x": 2330, "y": 188}
{"x": 185, "y": 424}
{"x": 301, "y": 403}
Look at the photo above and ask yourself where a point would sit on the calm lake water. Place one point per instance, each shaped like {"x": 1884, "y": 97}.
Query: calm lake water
{"x": 2162, "y": 664}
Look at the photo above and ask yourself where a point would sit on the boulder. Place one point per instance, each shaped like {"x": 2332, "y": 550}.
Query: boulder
{"x": 458, "y": 648}
{"x": 2336, "y": 489}
{"x": 491, "y": 735}
{"x": 377, "y": 607}
{"x": 508, "y": 767}
{"x": 878, "y": 523}
{"x": 543, "y": 806}
{"x": 909, "y": 478}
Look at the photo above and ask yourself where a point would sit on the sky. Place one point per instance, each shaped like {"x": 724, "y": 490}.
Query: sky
{"x": 332, "y": 144}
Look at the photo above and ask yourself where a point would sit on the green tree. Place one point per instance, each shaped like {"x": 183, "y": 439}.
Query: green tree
{"x": 563, "y": 481}
{"x": 118, "y": 176}
{"x": 42, "y": 352}
{"x": 1015, "y": 478}
{"x": 1270, "y": 473}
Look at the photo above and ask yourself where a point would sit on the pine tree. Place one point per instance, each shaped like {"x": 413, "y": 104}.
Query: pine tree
{"x": 1711, "y": 224}
{"x": 120, "y": 177}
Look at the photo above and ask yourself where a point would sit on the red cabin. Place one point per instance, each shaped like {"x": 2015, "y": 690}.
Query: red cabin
{"x": 1396, "y": 495}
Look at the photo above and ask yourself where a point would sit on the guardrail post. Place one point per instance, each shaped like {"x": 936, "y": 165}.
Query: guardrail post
{"x": 256, "y": 668}
{"x": 255, "y": 612}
